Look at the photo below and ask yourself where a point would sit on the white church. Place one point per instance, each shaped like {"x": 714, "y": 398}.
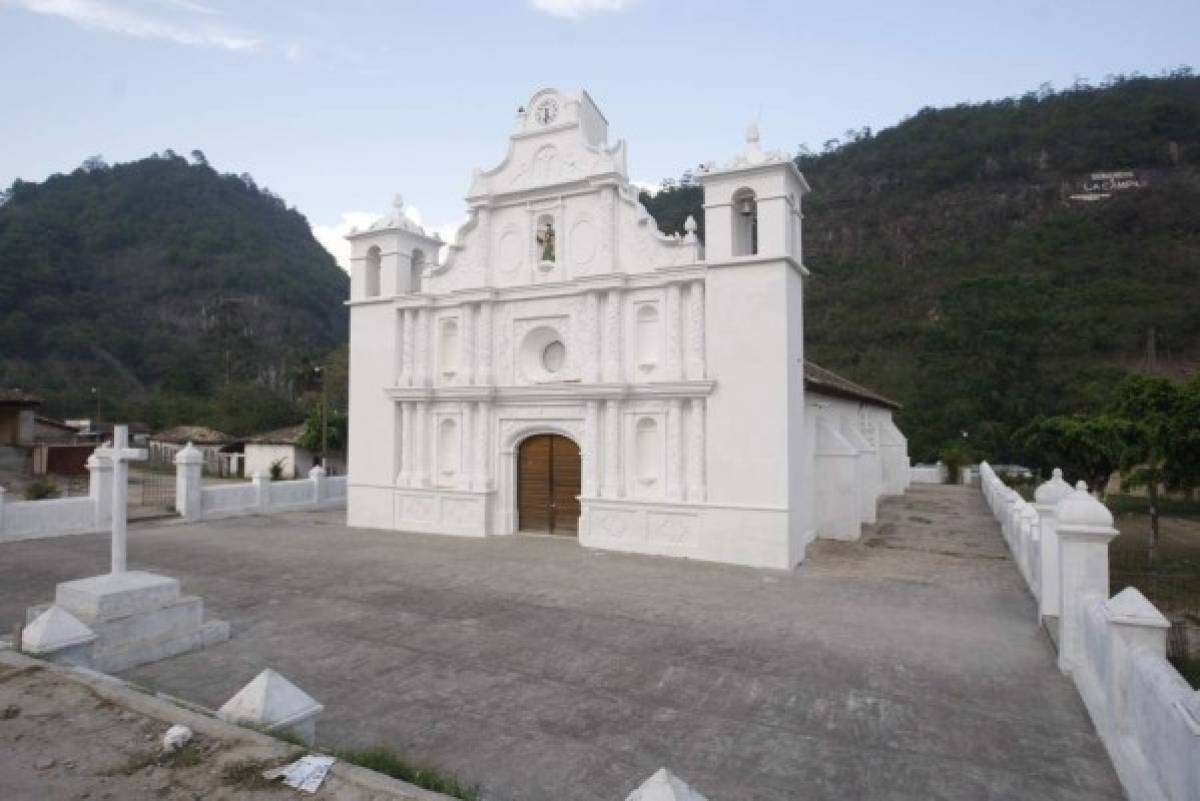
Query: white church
{"x": 567, "y": 369}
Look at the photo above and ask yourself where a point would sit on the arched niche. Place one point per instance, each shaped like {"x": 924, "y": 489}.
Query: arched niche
{"x": 372, "y": 266}
{"x": 447, "y": 450}
{"x": 546, "y": 244}
{"x": 416, "y": 270}
{"x": 745, "y": 223}
{"x": 449, "y": 346}
{"x": 647, "y": 336}
{"x": 647, "y": 454}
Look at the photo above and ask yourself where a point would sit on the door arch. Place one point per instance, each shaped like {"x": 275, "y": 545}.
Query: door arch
{"x": 549, "y": 475}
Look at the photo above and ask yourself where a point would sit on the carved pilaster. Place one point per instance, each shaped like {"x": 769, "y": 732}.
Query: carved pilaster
{"x": 674, "y": 333}
{"x": 420, "y": 468}
{"x": 593, "y": 359}
{"x": 612, "y": 336}
{"x": 421, "y": 348}
{"x": 468, "y": 344}
{"x": 591, "y": 450}
{"x": 695, "y": 331}
{"x": 406, "y": 445}
{"x": 483, "y": 414}
{"x": 408, "y": 324}
{"x": 675, "y": 449}
{"x": 612, "y": 449}
{"x": 466, "y": 469}
{"x": 696, "y": 490}
{"x": 483, "y": 337}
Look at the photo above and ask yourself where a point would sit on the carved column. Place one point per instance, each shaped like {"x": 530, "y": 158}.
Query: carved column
{"x": 408, "y": 326}
{"x": 612, "y": 336}
{"x": 612, "y": 449}
{"x": 483, "y": 337}
{"x": 696, "y": 490}
{"x": 695, "y": 331}
{"x": 420, "y": 469}
{"x": 406, "y": 453}
{"x": 466, "y": 470}
{"x": 592, "y": 336}
{"x": 674, "y": 333}
{"x": 591, "y": 450}
{"x": 675, "y": 449}
{"x": 483, "y": 413}
{"x": 468, "y": 344}
{"x": 421, "y": 348}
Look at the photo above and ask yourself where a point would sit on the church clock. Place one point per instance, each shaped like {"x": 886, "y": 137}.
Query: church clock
{"x": 546, "y": 111}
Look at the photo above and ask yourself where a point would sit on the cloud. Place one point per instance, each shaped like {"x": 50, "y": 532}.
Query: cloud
{"x": 574, "y": 9}
{"x": 332, "y": 237}
{"x": 188, "y": 5}
{"x": 105, "y": 16}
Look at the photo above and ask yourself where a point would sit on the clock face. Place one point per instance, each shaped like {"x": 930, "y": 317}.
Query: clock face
{"x": 546, "y": 111}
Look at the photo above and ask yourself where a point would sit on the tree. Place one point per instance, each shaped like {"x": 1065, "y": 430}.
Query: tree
{"x": 1150, "y": 408}
{"x": 1087, "y": 447}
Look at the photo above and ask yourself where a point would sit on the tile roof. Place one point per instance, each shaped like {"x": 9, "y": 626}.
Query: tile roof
{"x": 818, "y": 379}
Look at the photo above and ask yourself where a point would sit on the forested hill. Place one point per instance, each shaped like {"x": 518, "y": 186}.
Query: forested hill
{"x": 967, "y": 263}
{"x": 156, "y": 280}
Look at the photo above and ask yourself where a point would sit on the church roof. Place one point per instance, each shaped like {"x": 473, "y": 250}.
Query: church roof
{"x": 19, "y": 397}
{"x": 198, "y": 435}
{"x": 827, "y": 382}
{"x": 280, "y": 436}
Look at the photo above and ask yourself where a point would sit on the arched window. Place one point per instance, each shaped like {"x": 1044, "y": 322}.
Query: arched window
{"x": 745, "y": 223}
{"x": 646, "y": 332}
{"x": 416, "y": 271}
{"x": 545, "y": 239}
{"x": 371, "y": 275}
{"x": 448, "y": 448}
{"x": 449, "y": 347}
{"x": 646, "y": 451}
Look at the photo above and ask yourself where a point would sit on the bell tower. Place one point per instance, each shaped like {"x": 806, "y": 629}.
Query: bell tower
{"x": 754, "y": 321}
{"x": 391, "y": 256}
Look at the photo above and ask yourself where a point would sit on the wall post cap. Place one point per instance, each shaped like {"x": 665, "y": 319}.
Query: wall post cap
{"x": 259, "y": 475}
{"x": 1131, "y": 608}
{"x": 54, "y": 630}
{"x": 1051, "y": 492}
{"x": 270, "y": 700}
{"x": 316, "y": 472}
{"x": 664, "y": 785}
{"x": 189, "y": 454}
{"x": 1079, "y": 510}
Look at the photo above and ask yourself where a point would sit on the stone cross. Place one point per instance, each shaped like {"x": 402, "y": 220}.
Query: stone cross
{"x": 119, "y": 454}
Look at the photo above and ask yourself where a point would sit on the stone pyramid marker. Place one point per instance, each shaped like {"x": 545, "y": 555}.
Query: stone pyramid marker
{"x": 274, "y": 703}
{"x": 59, "y": 636}
{"x": 137, "y": 617}
{"x": 664, "y": 786}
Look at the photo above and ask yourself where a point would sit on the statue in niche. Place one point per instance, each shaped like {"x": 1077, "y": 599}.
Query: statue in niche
{"x": 545, "y": 241}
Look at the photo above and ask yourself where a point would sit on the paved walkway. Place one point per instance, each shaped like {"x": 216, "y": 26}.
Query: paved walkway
{"x": 905, "y": 667}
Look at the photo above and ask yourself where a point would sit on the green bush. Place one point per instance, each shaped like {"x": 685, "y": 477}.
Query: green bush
{"x": 42, "y": 488}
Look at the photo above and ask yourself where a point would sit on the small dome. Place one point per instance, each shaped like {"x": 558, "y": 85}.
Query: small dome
{"x": 1081, "y": 509}
{"x": 1052, "y": 491}
{"x": 396, "y": 218}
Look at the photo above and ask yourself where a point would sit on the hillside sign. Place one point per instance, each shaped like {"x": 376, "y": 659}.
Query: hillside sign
{"x": 1102, "y": 185}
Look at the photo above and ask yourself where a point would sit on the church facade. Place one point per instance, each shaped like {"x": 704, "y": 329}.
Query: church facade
{"x": 567, "y": 369}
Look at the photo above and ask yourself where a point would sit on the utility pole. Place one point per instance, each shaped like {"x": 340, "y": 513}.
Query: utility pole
{"x": 324, "y": 414}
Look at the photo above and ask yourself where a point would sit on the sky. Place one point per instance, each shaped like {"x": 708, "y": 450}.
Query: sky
{"x": 338, "y": 106}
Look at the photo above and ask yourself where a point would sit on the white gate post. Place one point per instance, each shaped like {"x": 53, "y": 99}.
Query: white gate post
{"x": 1134, "y": 624}
{"x": 1045, "y": 498}
{"x": 317, "y": 476}
{"x": 1084, "y": 531}
{"x": 262, "y": 491}
{"x": 189, "y": 465}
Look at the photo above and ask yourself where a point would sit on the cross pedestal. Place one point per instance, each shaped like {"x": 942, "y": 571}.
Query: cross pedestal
{"x": 138, "y": 616}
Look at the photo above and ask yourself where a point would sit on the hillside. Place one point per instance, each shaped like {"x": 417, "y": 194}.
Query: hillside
{"x": 953, "y": 270}
{"x": 171, "y": 288}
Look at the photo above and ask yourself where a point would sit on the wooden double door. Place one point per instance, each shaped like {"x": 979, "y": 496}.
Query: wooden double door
{"x": 548, "y": 485}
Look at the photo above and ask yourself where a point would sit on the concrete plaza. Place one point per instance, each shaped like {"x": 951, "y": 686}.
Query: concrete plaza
{"x": 908, "y": 666}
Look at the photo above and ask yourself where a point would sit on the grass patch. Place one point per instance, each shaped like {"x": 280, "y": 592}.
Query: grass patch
{"x": 287, "y": 735}
{"x": 389, "y": 763}
{"x": 189, "y": 756}
{"x": 1136, "y": 504}
{"x": 247, "y": 774}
